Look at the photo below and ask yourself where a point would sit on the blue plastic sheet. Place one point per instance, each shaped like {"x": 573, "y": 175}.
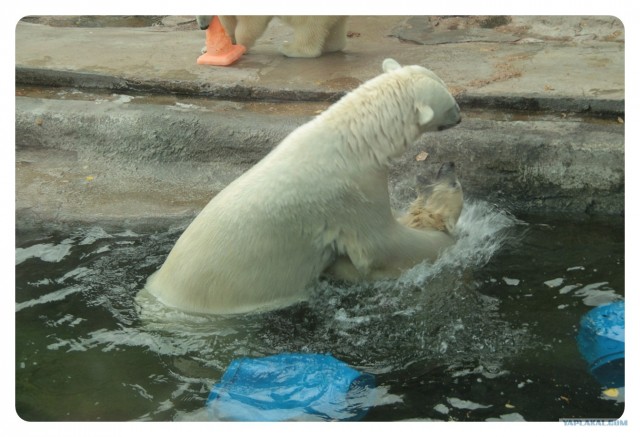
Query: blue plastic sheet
{"x": 601, "y": 343}
{"x": 291, "y": 387}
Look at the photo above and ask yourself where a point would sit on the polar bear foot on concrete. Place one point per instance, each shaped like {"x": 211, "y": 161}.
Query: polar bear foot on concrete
{"x": 313, "y": 35}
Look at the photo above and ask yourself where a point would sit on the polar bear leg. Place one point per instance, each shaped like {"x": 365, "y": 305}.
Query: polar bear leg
{"x": 229, "y": 23}
{"x": 249, "y": 28}
{"x": 337, "y": 38}
{"x": 406, "y": 247}
{"x": 395, "y": 250}
{"x": 344, "y": 270}
{"x": 309, "y": 34}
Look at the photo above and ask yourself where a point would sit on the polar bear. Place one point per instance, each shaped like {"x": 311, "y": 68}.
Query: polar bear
{"x": 313, "y": 34}
{"x": 437, "y": 207}
{"x": 322, "y": 193}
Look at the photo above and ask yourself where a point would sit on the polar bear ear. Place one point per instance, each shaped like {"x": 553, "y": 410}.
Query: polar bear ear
{"x": 390, "y": 65}
{"x": 425, "y": 114}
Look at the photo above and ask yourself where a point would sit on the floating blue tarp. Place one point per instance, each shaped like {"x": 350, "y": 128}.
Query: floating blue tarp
{"x": 291, "y": 387}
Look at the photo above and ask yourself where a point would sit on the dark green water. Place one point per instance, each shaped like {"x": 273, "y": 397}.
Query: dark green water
{"x": 487, "y": 333}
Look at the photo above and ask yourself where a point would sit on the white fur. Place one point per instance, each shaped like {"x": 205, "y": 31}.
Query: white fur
{"x": 320, "y": 194}
{"x": 438, "y": 210}
{"x": 313, "y": 35}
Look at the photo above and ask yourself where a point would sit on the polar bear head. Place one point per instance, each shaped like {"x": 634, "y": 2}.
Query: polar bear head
{"x": 438, "y": 205}
{"x": 435, "y": 106}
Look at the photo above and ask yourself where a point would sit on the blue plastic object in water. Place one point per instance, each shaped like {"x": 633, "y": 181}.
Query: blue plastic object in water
{"x": 601, "y": 343}
{"x": 290, "y": 387}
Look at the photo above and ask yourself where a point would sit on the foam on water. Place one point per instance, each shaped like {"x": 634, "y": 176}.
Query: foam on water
{"x": 481, "y": 231}
{"x": 46, "y": 252}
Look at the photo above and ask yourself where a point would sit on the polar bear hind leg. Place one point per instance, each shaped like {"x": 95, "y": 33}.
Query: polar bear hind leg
{"x": 248, "y": 29}
{"x": 229, "y": 23}
{"x": 243, "y": 30}
{"x": 309, "y": 36}
{"x": 337, "y": 37}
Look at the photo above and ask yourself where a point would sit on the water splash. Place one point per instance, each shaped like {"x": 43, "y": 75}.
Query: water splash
{"x": 482, "y": 230}
{"x": 432, "y": 312}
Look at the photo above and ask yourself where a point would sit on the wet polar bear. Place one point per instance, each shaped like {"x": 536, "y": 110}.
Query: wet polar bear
{"x": 437, "y": 207}
{"x": 319, "y": 195}
{"x": 313, "y": 35}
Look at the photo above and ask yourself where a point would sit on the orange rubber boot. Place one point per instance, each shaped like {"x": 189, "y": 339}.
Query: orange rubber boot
{"x": 220, "y": 50}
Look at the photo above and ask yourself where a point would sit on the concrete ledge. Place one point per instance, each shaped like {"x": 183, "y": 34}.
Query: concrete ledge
{"x": 25, "y": 76}
{"x": 172, "y": 159}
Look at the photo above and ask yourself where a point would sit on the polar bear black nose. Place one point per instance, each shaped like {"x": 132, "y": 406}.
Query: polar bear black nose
{"x": 446, "y": 169}
{"x": 447, "y": 126}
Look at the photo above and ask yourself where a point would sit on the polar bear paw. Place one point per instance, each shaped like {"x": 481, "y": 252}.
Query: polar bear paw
{"x": 293, "y": 50}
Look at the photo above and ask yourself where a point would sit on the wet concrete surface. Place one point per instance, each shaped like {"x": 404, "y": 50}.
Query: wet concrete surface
{"x": 119, "y": 123}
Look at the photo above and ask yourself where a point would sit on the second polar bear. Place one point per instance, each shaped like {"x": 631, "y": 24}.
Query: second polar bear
{"x": 313, "y": 35}
{"x": 437, "y": 207}
{"x": 321, "y": 194}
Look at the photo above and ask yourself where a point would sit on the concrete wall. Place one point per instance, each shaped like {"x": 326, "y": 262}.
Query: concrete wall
{"x": 188, "y": 152}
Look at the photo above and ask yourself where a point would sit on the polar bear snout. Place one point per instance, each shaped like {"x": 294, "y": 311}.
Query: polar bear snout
{"x": 203, "y": 21}
{"x": 447, "y": 170}
{"x": 447, "y": 126}
{"x": 447, "y": 175}
{"x": 452, "y": 114}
